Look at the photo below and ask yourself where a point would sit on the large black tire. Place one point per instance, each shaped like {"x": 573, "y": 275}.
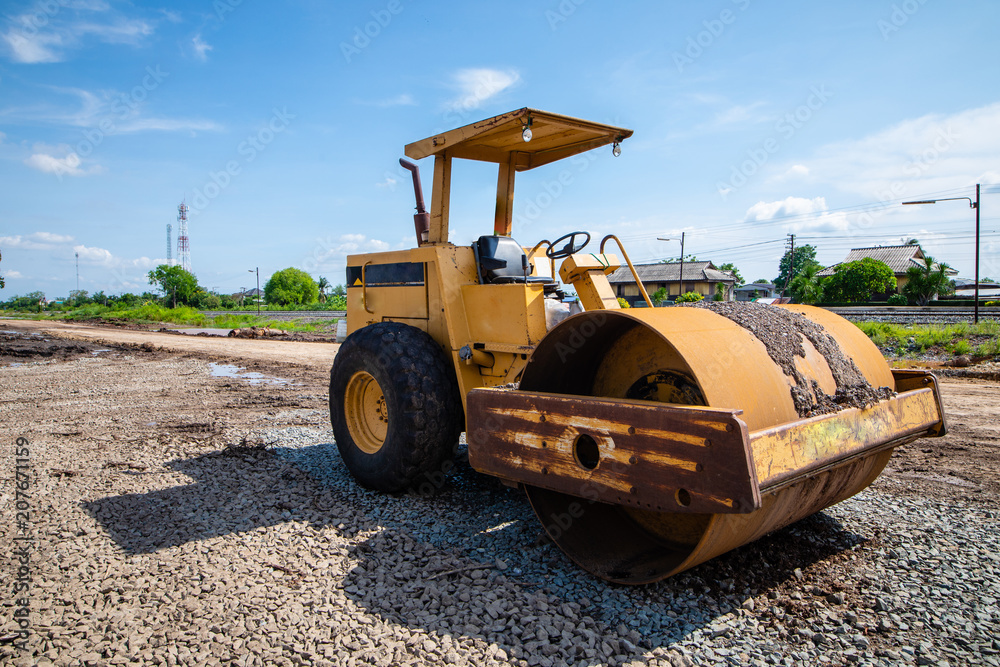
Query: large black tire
{"x": 395, "y": 407}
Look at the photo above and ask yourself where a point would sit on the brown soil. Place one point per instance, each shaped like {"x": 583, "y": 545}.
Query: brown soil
{"x": 317, "y": 354}
{"x": 782, "y": 332}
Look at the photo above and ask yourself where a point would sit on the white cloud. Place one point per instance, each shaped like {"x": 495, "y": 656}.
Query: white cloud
{"x": 401, "y": 100}
{"x": 389, "y": 183}
{"x": 741, "y": 114}
{"x": 30, "y": 49}
{"x": 789, "y": 206}
{"x": 795, "y": 171}
{"x": 35, "y": 241}
{"x": 173, "y": 17}
{"x": 69, "y": 164}
{"x": 122, "y": 31}
{"x": 13, "y": 274}
{"x": 95, "y": 255}
{"x": 330, "y": 253}
{"x": 119, "y": 113}
{"x": 798, "y": 214}
{"x": 477, "y": 85}
{"x": 49, "y": 237}
{"x": 49, "y": 31}
{"x": 169, "y": 125}
{"x": 200, "y": 48}
{"x": 931, "y": 153}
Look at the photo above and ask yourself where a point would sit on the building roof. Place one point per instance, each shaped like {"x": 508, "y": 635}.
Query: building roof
{"x": 749, "y": 287}
{"x": 898, "y": 258}
{"x": 671, "y": 272}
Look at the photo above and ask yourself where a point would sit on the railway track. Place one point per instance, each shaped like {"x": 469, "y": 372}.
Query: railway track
{"x": 915, "y": 314}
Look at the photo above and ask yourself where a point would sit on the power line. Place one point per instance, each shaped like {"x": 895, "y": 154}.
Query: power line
{"x": 856, "y": 208}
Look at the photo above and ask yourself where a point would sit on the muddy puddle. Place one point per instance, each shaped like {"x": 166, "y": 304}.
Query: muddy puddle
{"x": 221, "y": 370}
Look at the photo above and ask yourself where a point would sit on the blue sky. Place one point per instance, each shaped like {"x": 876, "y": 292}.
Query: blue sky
{"x": 281, "y": 125}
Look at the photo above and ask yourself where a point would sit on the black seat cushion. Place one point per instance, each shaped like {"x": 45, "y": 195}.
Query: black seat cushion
{"x": 502, "y": 260}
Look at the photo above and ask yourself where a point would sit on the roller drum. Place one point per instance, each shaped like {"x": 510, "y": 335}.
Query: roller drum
{"x": 697, "y": 357}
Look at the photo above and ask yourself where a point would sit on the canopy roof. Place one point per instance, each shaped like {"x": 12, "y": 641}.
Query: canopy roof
{"x": 554, "y": 137}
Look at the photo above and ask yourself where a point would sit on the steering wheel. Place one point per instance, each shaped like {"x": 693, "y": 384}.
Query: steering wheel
{"x": 571, "y": 246}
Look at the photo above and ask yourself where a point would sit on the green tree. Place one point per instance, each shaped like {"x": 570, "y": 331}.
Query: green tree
{"x": 659, "y": 296}
{"x": 31, "y": 301}
{"x": 339, "y": 290}
{"x": 289, "y": 287}
{"x": 855, "y": 282}
{"x": 720, "y": 292}
{"x": 322, "y": 285}
{"x": 729, "y": 267}
{"x": 676, "y": 260}
{"x": 803, "y": 255}
{"x": 78, "y": 297}
{"x": 927, "y": 280}
{"x": 807, "y": 287}
{"x": 178, "y": 286}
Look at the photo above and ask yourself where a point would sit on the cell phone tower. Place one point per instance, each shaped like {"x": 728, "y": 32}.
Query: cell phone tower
{"x": 170, "y": 247}
{"x": 183, "y": 244}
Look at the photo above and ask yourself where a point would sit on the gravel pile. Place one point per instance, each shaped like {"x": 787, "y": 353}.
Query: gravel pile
{"x": 183, "y": 518}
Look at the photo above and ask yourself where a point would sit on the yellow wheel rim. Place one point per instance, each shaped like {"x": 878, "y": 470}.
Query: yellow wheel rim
{"x": 366, "y": 412}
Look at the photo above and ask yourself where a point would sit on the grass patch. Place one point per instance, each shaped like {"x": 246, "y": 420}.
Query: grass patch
{"x": 150, "y": 313}
{"x": 981, "y": 340}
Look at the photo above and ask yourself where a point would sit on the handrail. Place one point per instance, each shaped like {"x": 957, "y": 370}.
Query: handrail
{"x": 552, "y": 262}
{"x": 638, "y": 281}
{"x": 364, "y": 288}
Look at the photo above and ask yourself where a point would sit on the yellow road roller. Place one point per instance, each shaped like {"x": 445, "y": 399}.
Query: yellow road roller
{"x": 647, "y": 440}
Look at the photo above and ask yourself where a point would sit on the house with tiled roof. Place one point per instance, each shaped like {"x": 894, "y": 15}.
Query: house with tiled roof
{"x": 899, "y": 258}
{"x": 700, "y": 277}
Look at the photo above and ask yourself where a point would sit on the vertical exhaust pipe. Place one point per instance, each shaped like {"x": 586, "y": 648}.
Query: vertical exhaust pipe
{"x": 421, "y": 219}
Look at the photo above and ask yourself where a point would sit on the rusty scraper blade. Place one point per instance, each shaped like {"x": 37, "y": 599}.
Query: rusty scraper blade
{"x": 641, "y": 454}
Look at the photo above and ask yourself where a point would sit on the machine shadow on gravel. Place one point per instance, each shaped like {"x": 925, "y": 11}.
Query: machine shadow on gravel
{"x": 469, "y": 560}
{"x": 233, "y": 492}
{"x": 539, "y": 592}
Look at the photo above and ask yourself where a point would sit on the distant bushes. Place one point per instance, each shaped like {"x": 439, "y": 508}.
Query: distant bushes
{"x": 897, "y": 300}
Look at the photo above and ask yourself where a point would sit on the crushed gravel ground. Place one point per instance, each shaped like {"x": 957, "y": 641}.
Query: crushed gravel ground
{"x": 177, "y": 517}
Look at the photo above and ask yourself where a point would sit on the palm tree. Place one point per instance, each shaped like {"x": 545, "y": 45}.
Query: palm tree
{"x": 807, "y": 287}
{"x": 926, "y": 281}
{"x": 323, "y": 284}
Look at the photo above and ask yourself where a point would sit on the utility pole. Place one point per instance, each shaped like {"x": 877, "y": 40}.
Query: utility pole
{"x": 258, "y": 288}
{"x": 78, "y": 275}
{"x": 791, "y": 264}
{"x": 975, "y": 316}
{"x": 661, "y": 238}
{"x": 682, "y": 263}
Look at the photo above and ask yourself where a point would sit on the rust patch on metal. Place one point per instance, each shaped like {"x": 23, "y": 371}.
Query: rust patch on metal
{"x": 641, "y": 454}
{"x": 787, "y": 453}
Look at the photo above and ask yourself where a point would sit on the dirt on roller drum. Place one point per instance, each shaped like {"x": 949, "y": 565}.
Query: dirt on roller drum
{"x": 782, "y": 332}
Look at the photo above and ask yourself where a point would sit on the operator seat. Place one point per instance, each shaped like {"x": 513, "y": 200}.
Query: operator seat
{"x": 501, "y": 260}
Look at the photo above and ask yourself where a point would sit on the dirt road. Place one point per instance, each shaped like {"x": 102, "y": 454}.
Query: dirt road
{"x": 313, "y": 355}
